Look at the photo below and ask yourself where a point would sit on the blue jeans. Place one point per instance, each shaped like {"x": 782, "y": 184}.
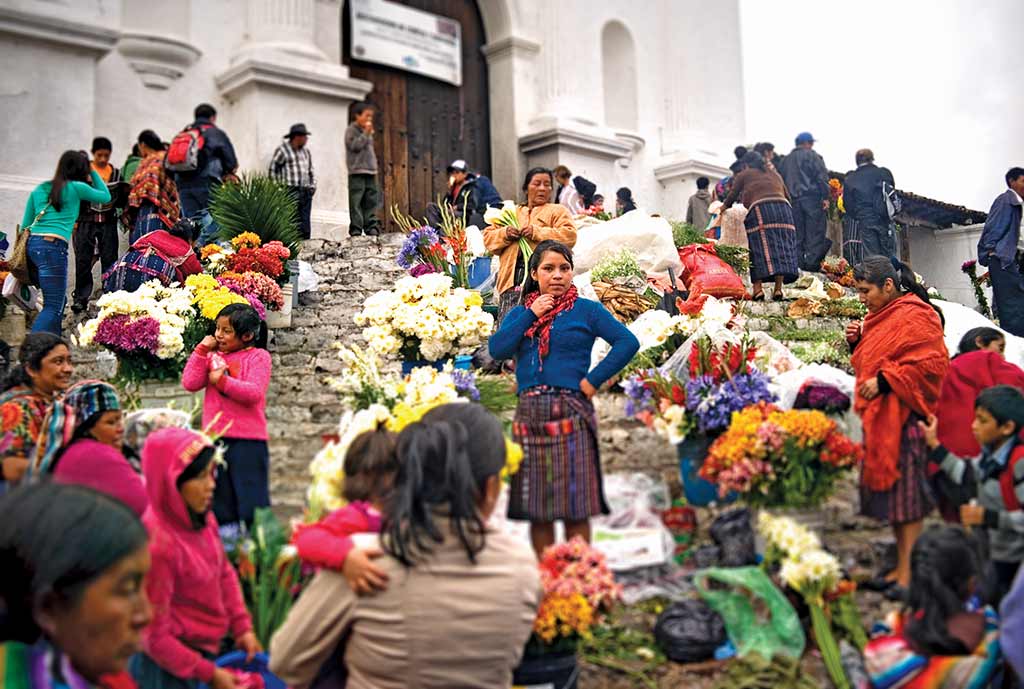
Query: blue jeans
{"x": 50, "y": 258}
{"x": 195, "y": 201}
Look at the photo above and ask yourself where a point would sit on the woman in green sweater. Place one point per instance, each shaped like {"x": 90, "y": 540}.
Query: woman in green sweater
{"x": 51, "y": 213}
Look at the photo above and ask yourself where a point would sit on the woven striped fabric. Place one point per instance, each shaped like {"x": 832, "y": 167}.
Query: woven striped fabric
{"x": 41, "y": 667}
{"x": 560, "y": 477}
{"x": 892, "y": 664}
{"x": 771, "y": 238}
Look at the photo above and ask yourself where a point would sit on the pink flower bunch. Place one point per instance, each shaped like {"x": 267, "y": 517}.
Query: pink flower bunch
{"x": 742, "y": 475}
{"x": 121, "y": 333}
{"x": 251, "y": 284}
{"x": 577, "y": 568}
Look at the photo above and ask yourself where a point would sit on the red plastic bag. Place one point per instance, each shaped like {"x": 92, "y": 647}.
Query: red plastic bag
{"x": 704, "y": 273}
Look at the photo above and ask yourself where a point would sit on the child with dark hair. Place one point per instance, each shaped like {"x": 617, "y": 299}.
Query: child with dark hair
{"x": 370, "y": 468}
{"x": 934, "y": 642}
{"x": 995, "y": 480}
{"x": 233, "y": 367}
{"x": 194, "y": 590}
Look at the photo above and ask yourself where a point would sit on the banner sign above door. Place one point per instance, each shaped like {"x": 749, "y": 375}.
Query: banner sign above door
{"x": 405, "y": 38}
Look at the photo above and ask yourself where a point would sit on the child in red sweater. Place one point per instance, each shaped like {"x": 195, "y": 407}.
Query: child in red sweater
{"x": 370, "y": 468}
{"x": 233, "y": 366}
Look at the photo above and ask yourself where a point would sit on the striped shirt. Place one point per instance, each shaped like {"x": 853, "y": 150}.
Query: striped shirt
{"x": 293, "y": 168}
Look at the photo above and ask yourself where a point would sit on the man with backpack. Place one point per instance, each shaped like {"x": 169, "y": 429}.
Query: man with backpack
{"x": 201, "y": 157}
{"x": 806, "y": 178}
{"x": 867, "y": 196}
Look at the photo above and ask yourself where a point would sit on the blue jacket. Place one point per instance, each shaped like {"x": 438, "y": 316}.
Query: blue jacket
{"x": 487, "y": 193}
{"x": 572, "y": 340}
{"x": 1001, "y": 235}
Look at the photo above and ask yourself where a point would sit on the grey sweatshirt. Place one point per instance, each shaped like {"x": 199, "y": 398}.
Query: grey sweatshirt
{"x": 359, "y": 154}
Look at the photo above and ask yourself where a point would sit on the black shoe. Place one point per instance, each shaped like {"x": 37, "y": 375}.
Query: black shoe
{"x": 879, "y": 583}
{"x": 897, "y": 593}
{"x": 758, "y": 297}
{"x": 372, "y": 232}
{"x": 79, "y": 307}
{"x": 778, "y": 296}
{"x": 354, "y": 232}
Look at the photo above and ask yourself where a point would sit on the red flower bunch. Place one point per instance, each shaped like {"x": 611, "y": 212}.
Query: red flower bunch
{"x": 840, "y": 451}
{"x": 720, "y": 362}
{"x": 268, "y": 259}
{"x": 577, "y": 568}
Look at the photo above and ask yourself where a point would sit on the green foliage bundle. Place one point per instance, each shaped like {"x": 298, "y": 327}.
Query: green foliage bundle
{"x": 258, "y": 204}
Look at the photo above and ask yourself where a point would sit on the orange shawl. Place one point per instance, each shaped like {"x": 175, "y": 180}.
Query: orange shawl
{"x": 904, "y": 342}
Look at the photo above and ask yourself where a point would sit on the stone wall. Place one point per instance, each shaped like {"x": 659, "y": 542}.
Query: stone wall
{"x": 301, "y": 407}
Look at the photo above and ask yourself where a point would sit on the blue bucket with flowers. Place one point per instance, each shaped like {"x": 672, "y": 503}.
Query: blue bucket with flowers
{"x": 698, "y": 492}
{"x": 478, "y": 271}
{"x": 459, "y": 363}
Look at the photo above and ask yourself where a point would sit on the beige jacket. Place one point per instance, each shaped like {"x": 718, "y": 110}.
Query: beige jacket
{"x": 551, "y": 221}
{"x": 445, "y": 624}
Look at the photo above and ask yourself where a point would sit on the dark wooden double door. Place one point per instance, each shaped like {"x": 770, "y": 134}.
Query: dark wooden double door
{"x": 423, "y": 124}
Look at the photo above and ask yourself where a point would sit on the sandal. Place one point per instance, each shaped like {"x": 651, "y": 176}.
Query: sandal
{"x": 760, "y": 296}
{"x": 778, "y": 296}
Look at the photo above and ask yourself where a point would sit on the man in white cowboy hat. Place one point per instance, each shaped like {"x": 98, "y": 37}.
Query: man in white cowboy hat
{"x": 292, "y": 165}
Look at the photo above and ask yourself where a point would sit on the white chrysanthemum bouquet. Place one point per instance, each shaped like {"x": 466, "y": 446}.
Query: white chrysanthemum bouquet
{"x": 423, "y": 318}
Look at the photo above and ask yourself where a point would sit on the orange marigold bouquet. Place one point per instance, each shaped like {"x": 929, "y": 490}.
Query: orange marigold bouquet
{"x": 578, "y": 589}
{"x": 780, "y": 459}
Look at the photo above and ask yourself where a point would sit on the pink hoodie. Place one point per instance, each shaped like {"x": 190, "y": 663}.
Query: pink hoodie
{"x": 241, "y": 395}
{"x": 193, "y": 588}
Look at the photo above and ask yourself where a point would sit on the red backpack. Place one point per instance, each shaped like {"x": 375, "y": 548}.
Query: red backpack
{"x": 185, "y": 150}
{"x": 1006, "y": 486}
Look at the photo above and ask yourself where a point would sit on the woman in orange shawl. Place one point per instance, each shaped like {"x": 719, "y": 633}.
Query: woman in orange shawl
{"x": 900, "y": 359}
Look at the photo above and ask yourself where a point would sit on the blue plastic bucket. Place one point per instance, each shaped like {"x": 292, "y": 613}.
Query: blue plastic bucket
{"x": 478, "y": 271}
{"x": 698, "y": 492}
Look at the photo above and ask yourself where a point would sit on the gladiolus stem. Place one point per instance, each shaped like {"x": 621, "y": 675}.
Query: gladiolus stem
{"x": 827, "y": 645}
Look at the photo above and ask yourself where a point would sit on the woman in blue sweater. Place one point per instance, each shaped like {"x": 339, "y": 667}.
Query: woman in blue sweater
{"x": 51, "y": 213}
{"x": 551, "y": 335}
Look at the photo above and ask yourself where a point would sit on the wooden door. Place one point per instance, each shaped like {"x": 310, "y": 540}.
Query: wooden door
{"x": 423, "y": 124}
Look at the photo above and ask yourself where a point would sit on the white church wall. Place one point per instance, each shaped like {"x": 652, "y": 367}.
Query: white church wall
{"x": 938, "y": 254}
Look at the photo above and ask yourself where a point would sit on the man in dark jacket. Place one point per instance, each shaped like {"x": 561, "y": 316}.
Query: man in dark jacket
{"x": 868, "y": 229}
{"x": 217, "y": 162}
{"x": 997, "y": 249}
{"x": 463, "y": 197}
{"x": 806, "y": 178}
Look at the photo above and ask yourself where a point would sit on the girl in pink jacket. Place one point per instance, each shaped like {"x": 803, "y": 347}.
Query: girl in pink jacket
{"x": 233, "y": 366}
{"x": 193, "y": 589}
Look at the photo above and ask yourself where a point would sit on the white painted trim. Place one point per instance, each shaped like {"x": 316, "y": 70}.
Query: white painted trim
{"x": 561, "y": 137}
{"x": 66, "y": 32}
{"x": 158, "y": 60}
{"x": 682, "y": 168}
{"x": 293, "y": 74}
{"x": 958, "y": 231}
{"x": 507, "y": 47}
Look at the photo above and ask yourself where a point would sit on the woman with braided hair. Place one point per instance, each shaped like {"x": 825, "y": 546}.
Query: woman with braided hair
{"x": 900, "y": 359}
{"x": 551, "y": 335}
{"x": 935, "y": 642}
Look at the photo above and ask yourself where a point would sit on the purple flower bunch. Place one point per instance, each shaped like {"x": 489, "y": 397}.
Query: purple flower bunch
{"x": 826, "y": 398}
{"x": 639, "y": 397}
{"x": 421, "y": 238}
{"x": 123, "y": 334}
{"x": 712, "y": 404}
{"x": 465, "y": 384}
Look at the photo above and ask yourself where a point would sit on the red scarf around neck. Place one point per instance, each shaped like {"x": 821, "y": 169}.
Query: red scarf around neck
{"x": 541, "y": 328}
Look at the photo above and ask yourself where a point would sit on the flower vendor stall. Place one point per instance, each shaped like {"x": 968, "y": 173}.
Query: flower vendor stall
{"x": 257, "y": 271}
{"x": 424, "y": 321}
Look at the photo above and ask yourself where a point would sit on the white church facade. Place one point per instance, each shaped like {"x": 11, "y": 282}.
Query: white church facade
{"x": 646, "y": 95}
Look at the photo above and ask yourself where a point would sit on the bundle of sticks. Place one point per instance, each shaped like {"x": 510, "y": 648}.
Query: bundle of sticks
{"x": 623, "y": 302}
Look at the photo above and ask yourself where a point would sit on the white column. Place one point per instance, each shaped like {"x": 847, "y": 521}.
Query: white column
{"x": 562, "y": 79}
{"x": 286, "y": 25}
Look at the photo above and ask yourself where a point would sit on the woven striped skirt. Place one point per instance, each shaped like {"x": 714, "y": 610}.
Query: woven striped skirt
{"x": 771, "y": 238}
{"x": 148, "y": 220}
{"x": 911, "y": 498}
{"x": 560, "y": 478}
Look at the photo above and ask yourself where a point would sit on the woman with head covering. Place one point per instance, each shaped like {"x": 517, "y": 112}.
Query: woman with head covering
{"x": 74, "y": 606}
{"x": 153, "y": 200}
{"x": 89, "y": 429}
{"x": 164, "y": 255}
{"x": 771, "y": 232}
{"x": 900, "y": 360}
{"x": 462, "y": 597}
{"x": 539, "y": 219}
{"x": 551, "y": 335}
{"x": 42, "y": 374}
{"x": 197, "y": 600}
